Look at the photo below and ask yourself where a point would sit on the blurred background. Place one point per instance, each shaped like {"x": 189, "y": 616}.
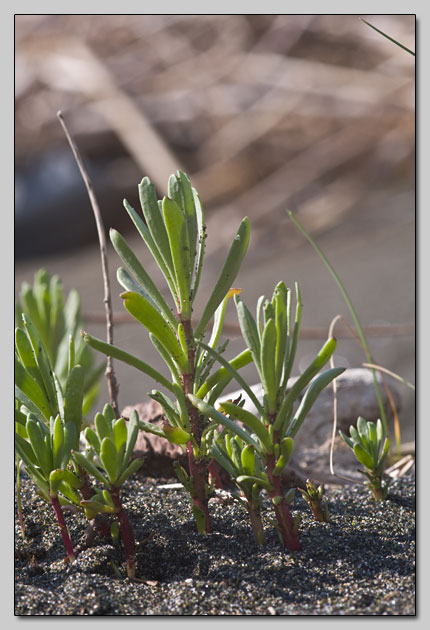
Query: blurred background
{"x": 312, "y": 113}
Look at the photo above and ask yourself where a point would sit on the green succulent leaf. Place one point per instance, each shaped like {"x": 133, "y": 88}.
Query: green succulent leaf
{"x": 30, "y": 387}
{"x": 154, "y": 221}
{"x": 364, "y": 457}
{"x": 26, "y": 356}
{"x": 230, "y": 369}
{"x": 227, "y": 276}
{"x": 320, "y": 360}
{"x": 89, "y": 467}
{"x": 292, "y": 344}
{"x": 57, "y": 443}
{"x": 152, "y": 246}
{"x": 109, "y": 458}
{"x": 201, "y": 230}
{"x": 73, "y": 397}
{"x": 242, "y": 359}
{"x": 92, "y": 439}
{"x": 346, "y": 439}
{"x": 125, "y": 357}
{"x": 119, "y": 434}
{"x": 247, "y": 459}
{"x": 268, "y": 365}
{"x": 132, "y": 433}
{"x": 249, "y": 331}
{"x": 177, "y": 231}
{"x": 92, "y": 508}
{"x": 130, "y": 470}
{"x": 176, "y": 435}
{"x": 103, "y": 426}
{"x": 147, "y": 315}
{"x": 251, "y": 479}
{"x": 71, "y": 438}
{"x": 41, "y": 449}
{"x": 190, "y": 212}
{"x": 25, "y": 451}
{"x": 312, "y": 393}
{"x": 224, "y": 461}
{"x": 146, "y": 286}
{"x": 210, "y": 411}
{"x": 55, "y": 480}
{"x": 43, "y": 364}
{"x": 252, "y": 422}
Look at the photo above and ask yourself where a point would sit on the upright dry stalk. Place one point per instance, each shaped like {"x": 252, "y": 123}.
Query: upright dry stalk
{"x": 110, "y": 374}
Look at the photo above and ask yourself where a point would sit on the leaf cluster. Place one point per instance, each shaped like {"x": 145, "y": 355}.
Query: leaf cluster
{"x": 370, "y": 446}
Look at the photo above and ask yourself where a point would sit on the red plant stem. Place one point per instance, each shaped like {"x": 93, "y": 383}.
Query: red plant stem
{"x": 214, "y": 471}
{"x": 21, "y": 523}
{"x": 101, "y": 522}
{"x": 317, "y": 511}
{"x": 287, "y": 527}
{"x": 63, "y": 528}
{"x": 197, "y": 467}
{"x": 126, "y": 532}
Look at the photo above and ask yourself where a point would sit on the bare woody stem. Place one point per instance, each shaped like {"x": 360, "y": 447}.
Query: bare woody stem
{"x": 126, "y": 533}
{"x": 63, "y": 528}
{"x": 110, "y": 374}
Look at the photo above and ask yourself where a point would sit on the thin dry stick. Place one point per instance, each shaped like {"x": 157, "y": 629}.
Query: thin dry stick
{"x": 389, "y": 372}
{"x": 110, "y": 374}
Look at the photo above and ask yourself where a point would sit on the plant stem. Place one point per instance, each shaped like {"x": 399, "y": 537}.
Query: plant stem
{"x": 197, "y": 467}
{"x": 110, "y": 374}
{"x": 256, "y": 524}
{"x": 18, "y": 498}
{"x": 317, "y": 510}
{"x": 126, "y": 533}
{"x": 287, "y": 527}
{"x": 63, "y": 528}
{"x": 101, "y": 522}
{"x": 214, "y": 471}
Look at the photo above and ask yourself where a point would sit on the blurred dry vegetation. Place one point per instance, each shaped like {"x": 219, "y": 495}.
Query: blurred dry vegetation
{"x": 314, "y": 113}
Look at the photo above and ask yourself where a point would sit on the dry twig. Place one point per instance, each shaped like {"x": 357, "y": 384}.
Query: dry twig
{"x": 110, "y": 374}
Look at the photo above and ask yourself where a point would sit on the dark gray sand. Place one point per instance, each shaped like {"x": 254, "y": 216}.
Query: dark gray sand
{"x": 361, "y": 563}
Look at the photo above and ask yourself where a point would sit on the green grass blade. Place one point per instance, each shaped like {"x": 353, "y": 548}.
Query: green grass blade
{"x": 351, "y": 310}
{"x": 388, "y": 37}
